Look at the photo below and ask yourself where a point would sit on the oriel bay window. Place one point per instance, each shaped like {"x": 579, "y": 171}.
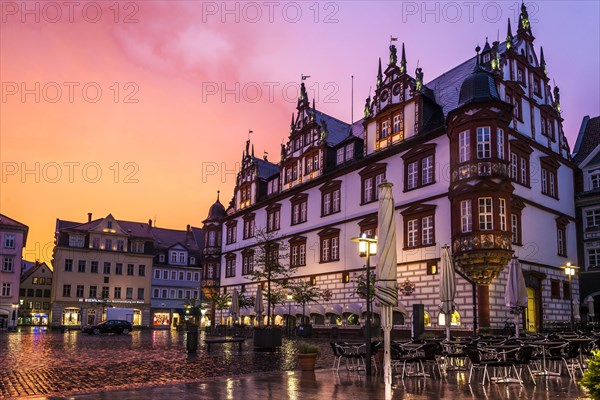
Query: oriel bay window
{"x": 331, "y": 197}
{"x": 485, "y": 214}
{"x": 419, "y": 167}
{"x": 330, "y": 245}
{"x": 419, "y": 226}
{"x": 299, "y": 208}
{"x": 371, "y": 177}
{"x": 298, "y": 251}
{"x": 273, "y": 217}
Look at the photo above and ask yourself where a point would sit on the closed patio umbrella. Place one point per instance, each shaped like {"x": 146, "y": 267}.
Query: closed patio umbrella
{"x": 234, "y": 310}
{"x": 259, "y": 308}
{"x": 386, "y": 283}
{"x": 515, "y": 296}
{"x": 447, "y": 287}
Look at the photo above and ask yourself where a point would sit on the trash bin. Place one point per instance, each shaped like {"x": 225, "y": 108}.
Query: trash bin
{"x": 192, "y": 338}
{"x": 335, "y": 333}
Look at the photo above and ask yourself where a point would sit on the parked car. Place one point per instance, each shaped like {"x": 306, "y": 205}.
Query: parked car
{"x": 109, "y": 326}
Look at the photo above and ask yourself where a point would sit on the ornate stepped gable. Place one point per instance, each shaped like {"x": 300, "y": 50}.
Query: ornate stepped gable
{"x": 402, "y": 106}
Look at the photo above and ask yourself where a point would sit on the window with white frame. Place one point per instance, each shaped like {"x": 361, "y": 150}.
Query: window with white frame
{"x": 157, "y": 274}
{"x": 413, "y": 232}
{"x": 340, "y": 156}
{"x": 330, "y": 245}
{"x": 502, "y": 213}
{"x": 484, "y": 144}
{"x": 595, "y": 180}
{"x": 231, "y": 235}
{"x": 466, "y": 216}
{"x": 249, "y": 226}
{"x": 412, "y": 175}
{"x": 593, "y": 258}
{"x": 230, "y": 266}
{"x": 247, "y": 262}
{"x": 592, "y": 218}
{"x": 385, "y": 129}
{"x": 485, "y": 214}
{"x": 464, "y": 146}
{"x": 500, "y": 143}
{"x": 76, "y": 240}
{"x": 419, "y": 167}
{"x": 7, "y": 264}
{"x": 6, "y": 290}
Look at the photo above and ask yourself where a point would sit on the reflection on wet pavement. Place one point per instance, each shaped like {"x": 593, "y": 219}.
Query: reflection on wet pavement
{"x": 52, "y": 362}
{"x": 155, "y": 365}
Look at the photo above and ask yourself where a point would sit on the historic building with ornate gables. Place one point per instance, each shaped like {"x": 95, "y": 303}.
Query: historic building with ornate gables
{"x": 478, "y": 160}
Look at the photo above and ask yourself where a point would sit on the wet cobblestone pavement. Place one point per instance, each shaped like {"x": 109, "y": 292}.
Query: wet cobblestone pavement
{"x": 56, "y": 363}
{"x": 155, "y": 365}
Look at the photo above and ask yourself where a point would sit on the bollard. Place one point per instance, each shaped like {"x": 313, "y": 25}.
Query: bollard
{"x": 192, "y": 338}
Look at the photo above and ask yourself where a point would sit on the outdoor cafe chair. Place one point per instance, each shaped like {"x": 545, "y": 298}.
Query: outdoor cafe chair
{"x": 350, "y": 354}
{"x": 481, "y": 358}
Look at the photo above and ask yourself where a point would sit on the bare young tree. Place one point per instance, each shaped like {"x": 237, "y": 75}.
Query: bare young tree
{"x": 271, "y": 265}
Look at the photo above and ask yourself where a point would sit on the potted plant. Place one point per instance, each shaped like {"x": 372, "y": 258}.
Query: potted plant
{"x": 591, "y": 377}
{"x": 307, "y": 356}
{"x": 270, "y": 267}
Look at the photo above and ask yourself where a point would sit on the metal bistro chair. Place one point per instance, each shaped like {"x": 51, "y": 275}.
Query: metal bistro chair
{"x": 523, "y": 360}
{"x": 350, "y": 354}
{"x": 483, "y": 359}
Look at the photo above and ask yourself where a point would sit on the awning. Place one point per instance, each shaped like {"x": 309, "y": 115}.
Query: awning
{"x": 352, "y": 308}
{"x": 248, "y": 312}
{"x": 316, "y": 309}
{"x": 333, "y": 309}
{"x": 280, "y": 310}
{"x": 4, "y": 312}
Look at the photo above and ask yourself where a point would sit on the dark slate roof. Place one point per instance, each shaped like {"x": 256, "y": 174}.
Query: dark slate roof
{"x": 356, "y": 131}
{"x": 478, "y": 87}
{"x": 266, "y": 169}
{"x": 165, "y": 238}
{"x": 6, "y": 221}
{"x": 31, "y": 270}
{"x": 199, "y": 238}
{"x": 587, "y": 139}
{"x": 216, "y": 212}
{"x": 137, "y": 229}
{"x": 14, "y": 224}
{"x": 446, "y": 87}
{"x": 336, "y": 129}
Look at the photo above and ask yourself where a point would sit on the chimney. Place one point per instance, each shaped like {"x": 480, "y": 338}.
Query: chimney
{"x": 89, "y": 217}
{"x": 150, "y": 223}
{"x": 189, "y": 228}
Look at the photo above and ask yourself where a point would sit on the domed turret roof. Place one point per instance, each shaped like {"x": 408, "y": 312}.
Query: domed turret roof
{"x": 478, "y": 87}
{"x": 217, "y": 211}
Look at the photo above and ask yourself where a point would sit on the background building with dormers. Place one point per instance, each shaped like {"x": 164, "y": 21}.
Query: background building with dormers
{"x": 478, "y": 160}
{"x": 113, "y": 263}
{"x": 586, "y": 154}
{"x": 176, "y": 274}
{"x": 35, "y": 295}
{"x": 13, "y": 238}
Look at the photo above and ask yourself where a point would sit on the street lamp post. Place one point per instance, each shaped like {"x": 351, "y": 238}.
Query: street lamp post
{"x": 570, "y": 271}
{"x": 15, "y": 315}
{"x": 367, "y": 247}
{"x": 289, "y": 325}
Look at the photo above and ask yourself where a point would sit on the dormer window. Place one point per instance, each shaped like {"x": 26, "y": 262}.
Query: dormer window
{"x": 486, "y": 58}
{"x": 161, "y": 258}
{"x": 398, "y": 123}
{"x": 109, "y": 224}
{"x": 595, "y": 180}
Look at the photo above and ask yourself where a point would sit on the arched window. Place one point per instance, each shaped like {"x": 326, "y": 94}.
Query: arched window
{"x": 454, "y": 319}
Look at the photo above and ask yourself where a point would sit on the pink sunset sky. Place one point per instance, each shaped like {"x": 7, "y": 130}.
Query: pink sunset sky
{"x": 141, "y": 109}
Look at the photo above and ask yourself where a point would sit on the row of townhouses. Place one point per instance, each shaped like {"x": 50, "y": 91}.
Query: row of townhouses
{"x": 478, "y": 161}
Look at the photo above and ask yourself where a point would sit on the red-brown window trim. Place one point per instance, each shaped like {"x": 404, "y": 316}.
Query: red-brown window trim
{"x": 231, "y": 257}
{"x": 272, "y": 209}
{"x": 417, "y": 155}
{"x": 561, "y": 225}
{"x": 297, "y": 241}
{"x": 327, "y": 190}
{"x": 297, "y": 200}
{"x": 328, "y": 234}
{"x": 418, "y": 212}
{"x": 549, "y": 165}
{"x": 367, "y": 173}
{"x": 522, "y": 151}
{"x": 516, "y": 208}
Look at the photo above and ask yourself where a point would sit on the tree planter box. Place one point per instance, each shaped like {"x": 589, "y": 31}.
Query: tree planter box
{"x": 267, "y": 338}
